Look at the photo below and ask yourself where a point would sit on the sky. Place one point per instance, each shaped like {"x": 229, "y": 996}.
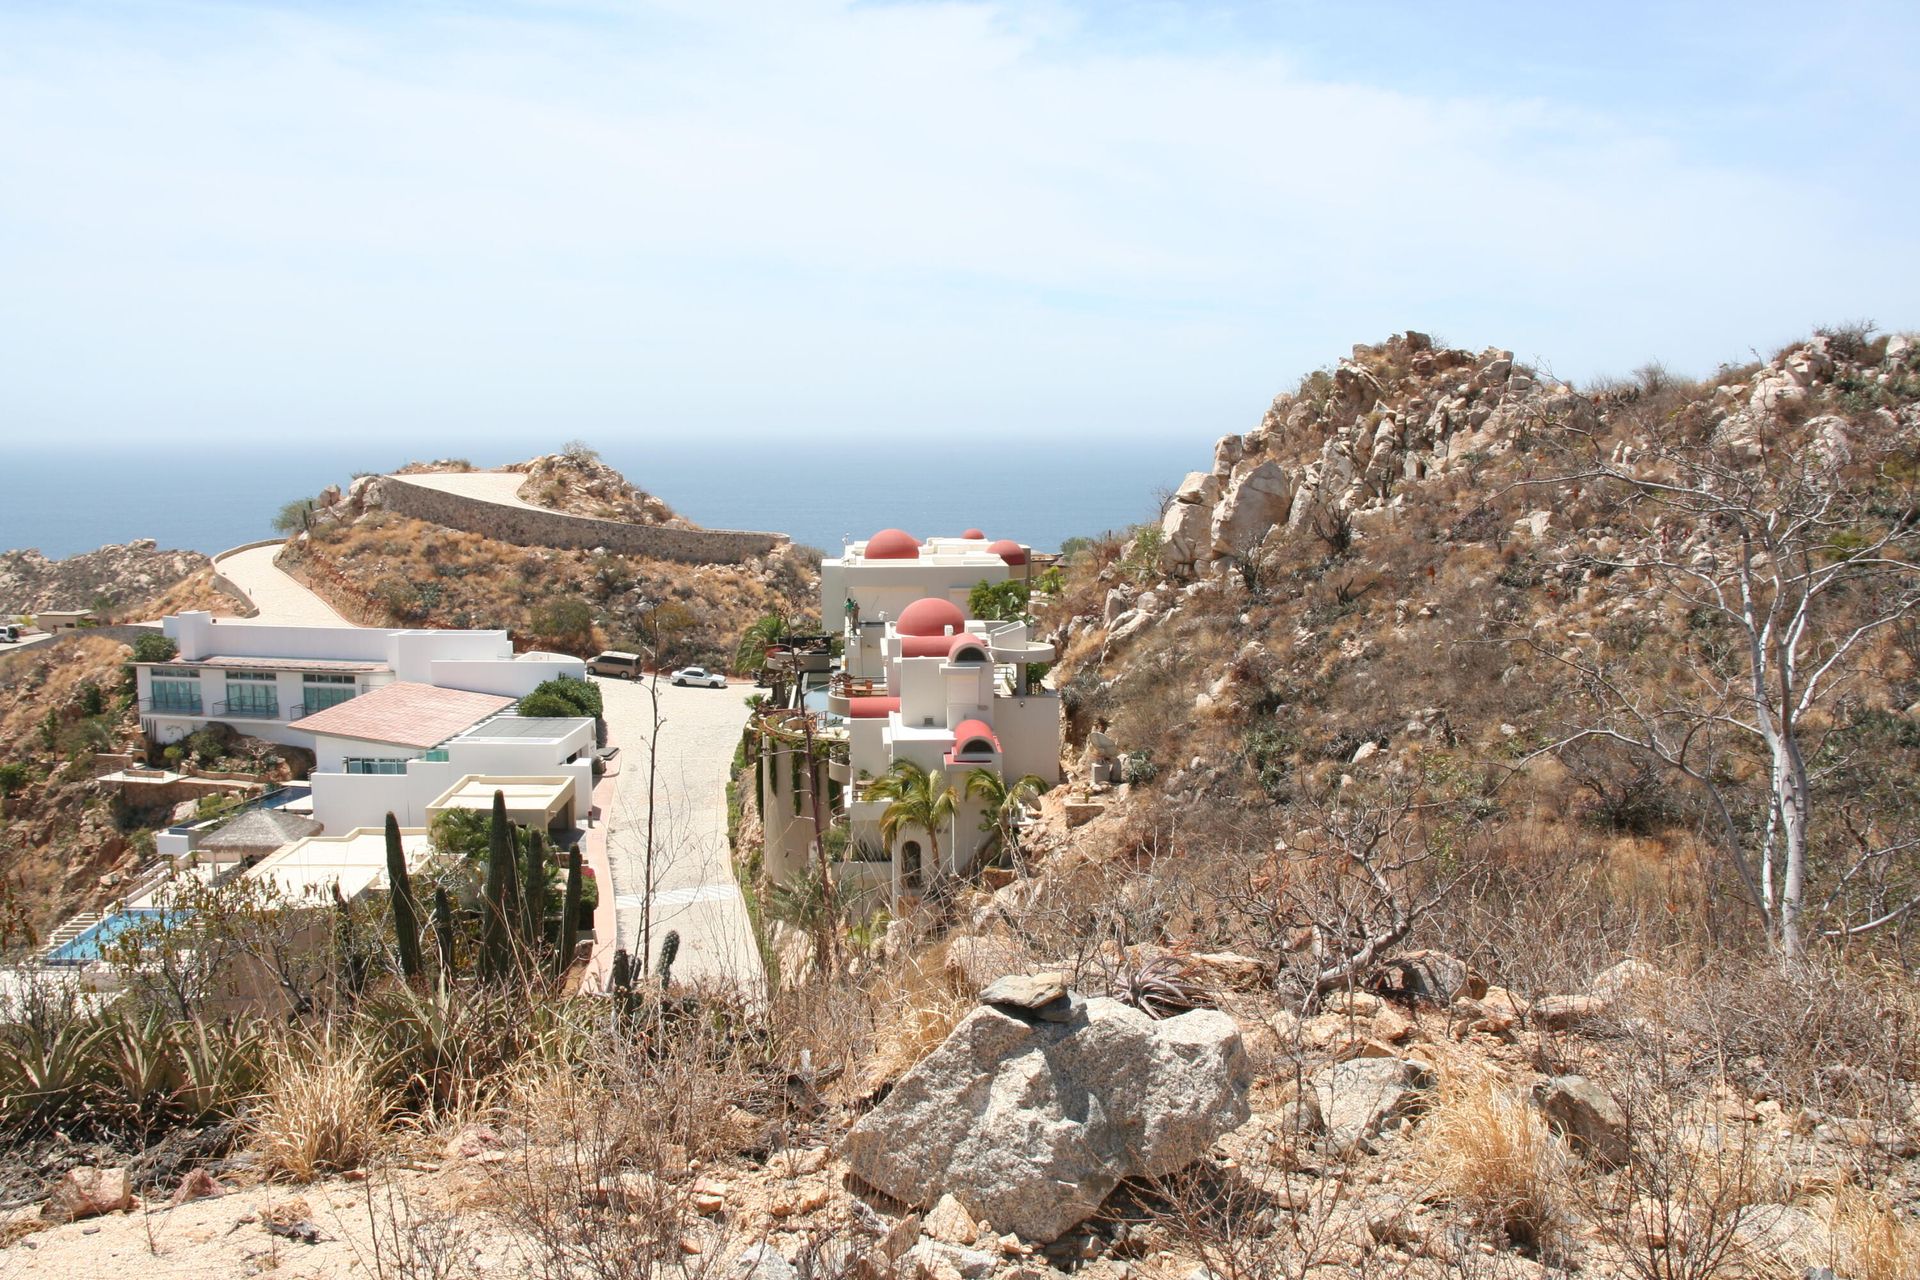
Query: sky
{"x": 812, "y": 222}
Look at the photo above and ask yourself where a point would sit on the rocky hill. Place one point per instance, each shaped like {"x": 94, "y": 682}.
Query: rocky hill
{"x": 103, "y": 579}
{"x": 380, "y": 567}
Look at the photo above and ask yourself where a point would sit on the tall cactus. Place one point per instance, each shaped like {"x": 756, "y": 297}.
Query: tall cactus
{"x": 406, "y": 911}
{"x": 669, "y": 952}
{"x": 533, "y": 895}
{"x": 496, "y": 923}
{"x": 570, "y": 913}
{"x": 443, "y": 932}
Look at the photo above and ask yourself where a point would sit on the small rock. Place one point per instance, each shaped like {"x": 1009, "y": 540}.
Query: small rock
{"x": 1358, "y": 1096}
{"x": 1562, "y": 1013}
{"x": 1588, "y": 1115}
{"x": 949, "y": 1221}
{"x": 929, "y": 1257}
{"x": 762, "y": 1262}
{"x": 1028, "y": 992}
{"x": 197, "y": 1184}
{"x": 87, "y": 1192}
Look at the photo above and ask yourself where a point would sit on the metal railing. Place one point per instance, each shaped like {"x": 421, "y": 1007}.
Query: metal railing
{"x": 845, "y": 686}
{"x": 269, "y": 711}
{"x": 170, "y": 706}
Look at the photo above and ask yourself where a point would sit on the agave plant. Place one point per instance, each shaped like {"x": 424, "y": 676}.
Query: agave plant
{"x": 1162, "y": 987}
{"x": 46, "y": 1074}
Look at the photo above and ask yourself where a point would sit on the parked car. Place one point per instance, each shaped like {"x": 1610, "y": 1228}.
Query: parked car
{"x": 9, "y": 633}
{"x": 621, "y": 666}
{"x": 699, "y": 675}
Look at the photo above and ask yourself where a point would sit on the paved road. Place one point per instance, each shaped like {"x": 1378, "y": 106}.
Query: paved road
{"x": 280, "y": 599}
{"x": 694, "y": 890}
{"x": 489, "y": 486}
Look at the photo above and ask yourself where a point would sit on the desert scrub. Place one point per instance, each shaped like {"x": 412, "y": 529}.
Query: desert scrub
{"x": 322, "y": 1108}
{"x": 1494, "y": 1155}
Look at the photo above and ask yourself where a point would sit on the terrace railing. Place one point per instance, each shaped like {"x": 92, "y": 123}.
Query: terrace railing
{"x": 252, "y": 711}
{"x": 170, "y": 706}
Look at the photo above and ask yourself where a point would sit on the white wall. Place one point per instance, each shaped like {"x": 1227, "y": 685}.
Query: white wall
{"x": 1029, "y": 733}
{"x": 343, "y": 801}
{"x": 512, "y": 678}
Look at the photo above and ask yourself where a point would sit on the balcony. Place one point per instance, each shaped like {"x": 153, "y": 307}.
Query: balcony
{"x": 254, "y": 711}
{"x": 169, "y": 706}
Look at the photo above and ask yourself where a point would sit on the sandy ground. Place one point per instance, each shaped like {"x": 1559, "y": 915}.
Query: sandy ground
{"x": 694, "y": 889}
{"x": 228, "y": 1237}
{"x": 280, "y": 599}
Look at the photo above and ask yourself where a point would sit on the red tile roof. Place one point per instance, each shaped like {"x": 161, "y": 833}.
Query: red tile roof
{"x": 405, "y": 714}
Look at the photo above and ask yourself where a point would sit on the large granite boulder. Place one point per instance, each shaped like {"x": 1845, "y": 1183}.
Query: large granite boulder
{"x": 1257, "y": 498}
{"x": 1186, "y": 535}
{"x": 1028, "y": 1124}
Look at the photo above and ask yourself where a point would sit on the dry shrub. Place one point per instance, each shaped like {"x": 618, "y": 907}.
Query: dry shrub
{"x": 1493, "y": 1153}
{"x": 920, "y": 1002}
{"x": 1872, "y": 1241}
{"x": 322, "y": 1109}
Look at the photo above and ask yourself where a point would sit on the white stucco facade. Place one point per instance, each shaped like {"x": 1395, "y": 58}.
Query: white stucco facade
{"x": 919, "y": 681}
{"x": 262, "y": 679}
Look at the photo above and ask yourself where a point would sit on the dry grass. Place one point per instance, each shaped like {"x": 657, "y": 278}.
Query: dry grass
{"x": 920, "y": 1002}
{"x": 1872, "y": 1239}
{"x": 1493, "y": 1153}
{"x": 322, "y": 1109}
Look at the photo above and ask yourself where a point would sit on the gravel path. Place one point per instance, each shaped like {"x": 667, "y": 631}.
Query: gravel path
{"x": 694, "y": 890}
{"x": 280, "y": 599}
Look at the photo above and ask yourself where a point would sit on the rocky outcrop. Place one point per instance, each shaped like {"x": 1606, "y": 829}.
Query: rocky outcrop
{"x": 1355, "y": 1099}
{"x": 1029, "y": 1123}
{"x": 112, "y": 575}
{"x": 579, "y": 484}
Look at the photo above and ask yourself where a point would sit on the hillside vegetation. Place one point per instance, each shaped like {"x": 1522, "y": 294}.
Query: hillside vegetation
{"x": 1507, "y": 876}
{"x": 380, "y": 568}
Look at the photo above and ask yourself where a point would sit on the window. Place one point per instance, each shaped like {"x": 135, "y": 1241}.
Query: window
{"x": 253, "y": 695}
{"x": 369, "y": 764}
{"x": 175, "y": 694}
{"x": 321, "y": 692}
{"x": 436, "y": 756}
{"x": 253, "y": 675}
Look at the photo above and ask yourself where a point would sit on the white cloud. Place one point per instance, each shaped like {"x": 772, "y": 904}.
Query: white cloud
{"x": 803, "y": 213}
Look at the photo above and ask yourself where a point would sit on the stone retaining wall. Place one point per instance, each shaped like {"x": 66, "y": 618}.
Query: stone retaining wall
{"x": 534, "y": 528}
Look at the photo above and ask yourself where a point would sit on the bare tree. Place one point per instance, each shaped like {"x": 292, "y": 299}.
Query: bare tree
{"x": 1347, "y": 888}
{"x": 1787, "y": 568}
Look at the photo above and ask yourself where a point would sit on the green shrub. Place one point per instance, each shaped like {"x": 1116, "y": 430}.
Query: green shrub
{"x": 13, "y": 776}
{"x": 548, "y": 706}
{"x": 582, "y": 695}
{"x": 154, "y": 648}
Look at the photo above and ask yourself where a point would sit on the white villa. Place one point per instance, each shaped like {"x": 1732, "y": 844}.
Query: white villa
{"x": 399, "y": 721}
{"x": 920, "y": 681}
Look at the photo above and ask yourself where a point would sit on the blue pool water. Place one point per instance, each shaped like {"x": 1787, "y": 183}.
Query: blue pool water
{"x": 86, "y": 948}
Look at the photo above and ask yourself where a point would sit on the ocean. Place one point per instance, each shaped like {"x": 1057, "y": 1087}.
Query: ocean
{"x": 214, "y": 497}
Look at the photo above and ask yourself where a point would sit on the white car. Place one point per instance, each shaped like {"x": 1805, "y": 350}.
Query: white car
{"x": 699, "y": 675}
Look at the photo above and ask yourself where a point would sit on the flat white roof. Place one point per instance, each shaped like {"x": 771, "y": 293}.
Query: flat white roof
{"x": 525, "y": 796}
{"x": 307, "y": 869}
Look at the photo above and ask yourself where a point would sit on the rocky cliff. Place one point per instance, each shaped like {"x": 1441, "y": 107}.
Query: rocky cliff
{"x": 102, "y": 579}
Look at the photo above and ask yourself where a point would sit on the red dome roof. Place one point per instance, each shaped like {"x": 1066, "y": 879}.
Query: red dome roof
{"x": 871, "y": 708}
{"x": 930, "y": 617}
{"x": 968, "y": 732}
{"x": 892, "y": 544}
{"x": 974, "y": 535}
{"x": 962, "y": 641}
{"x": 1010, "y": 551}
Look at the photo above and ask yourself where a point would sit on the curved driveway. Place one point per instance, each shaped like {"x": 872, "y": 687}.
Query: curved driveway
{"x": 694, "y": 890}
{"x": 279, "y": 598}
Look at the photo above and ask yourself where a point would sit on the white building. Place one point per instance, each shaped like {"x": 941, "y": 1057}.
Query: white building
{"x": 872, "y": 581}
{"x": 921, "y": 681}
{"x": 396, "y": 719}
{"x": 263, "y": 679}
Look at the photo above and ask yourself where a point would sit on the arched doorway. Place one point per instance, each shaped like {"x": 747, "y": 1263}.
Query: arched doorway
{"x": 910, "y": 867}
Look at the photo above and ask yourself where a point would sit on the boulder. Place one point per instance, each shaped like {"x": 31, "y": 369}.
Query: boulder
{"x": 1255, "y": 500}
{"x": 762, "y": 1262}
{"x": 87, "y": 1192}
{"x": 1588, "y": 1115}
{"x": 1432, "y": 977}
{"x": 1356, "y": 1097}
{"x": 1030, "y": 1124}
{"x": 1201, "y": 487}
{"x": 949, "y": 1221}
{"x": 1186, "y": 536}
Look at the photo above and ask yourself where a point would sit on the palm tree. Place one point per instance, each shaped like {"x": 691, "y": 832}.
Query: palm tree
{"x": 751, "y": 653}
{"x": 1004, "y": 803}
{"x": 916, "y": 799}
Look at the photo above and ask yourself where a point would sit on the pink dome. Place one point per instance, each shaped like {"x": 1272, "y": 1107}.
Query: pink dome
{"x": 1010, "y": 551}
{"x": 963, "y": 641}
{"x": 974, "y": 535}
{"x": 892, "y": 544}
{"x": 930, "y": 617}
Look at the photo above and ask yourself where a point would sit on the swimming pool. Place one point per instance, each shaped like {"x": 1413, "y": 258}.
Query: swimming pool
{"x": 86, "y": 948}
